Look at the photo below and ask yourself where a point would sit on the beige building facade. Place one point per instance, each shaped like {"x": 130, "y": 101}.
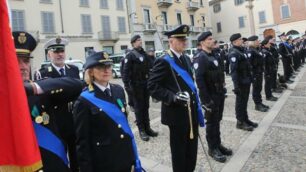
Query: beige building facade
{"x": 269, "y": 17}
{"x": 151, "y": 18}
{"x": 87, "y": 24}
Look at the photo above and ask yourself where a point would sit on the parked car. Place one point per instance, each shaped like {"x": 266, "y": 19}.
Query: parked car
{"x": 190, "y": 52}
{"x": 159, "y": 53}
{"x": 116, "y": 66}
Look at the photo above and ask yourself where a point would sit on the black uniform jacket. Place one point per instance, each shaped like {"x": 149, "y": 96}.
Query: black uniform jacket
{"x": 102, "y": 145}
{"x": 240, "y": 67}
{"x": 209, "y": 76}
{"x": 163, "y": 86}
{"x": 56, "y": 91}
{"x": 65, "y": 121}
{"x": 136, "y": 68}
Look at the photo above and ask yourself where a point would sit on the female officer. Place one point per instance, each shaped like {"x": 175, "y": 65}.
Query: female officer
{"x": 104, "y": 139}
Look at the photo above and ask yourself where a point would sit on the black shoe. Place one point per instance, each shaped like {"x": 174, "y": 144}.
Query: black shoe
{"x": 151, "y": 132}
{"x": 261, "y": 108}
{"x": 253, "y": 124}
{"x": 272, "y": 98}
{"x": 289, "y": 81}
{"x": 225, "y": 151}
{"x": 277, "y": 90}
{"x": 217, "y": 155}
{"x": 143, "y": 135}
{"x": 265, "y": 106}
{"x": 244, "y": 126}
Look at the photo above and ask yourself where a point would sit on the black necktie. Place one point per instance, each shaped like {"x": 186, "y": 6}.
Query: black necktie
{"x": 183, "y": 62}
{"x": 62, "y": 71}
{"x": 107, "y": 92}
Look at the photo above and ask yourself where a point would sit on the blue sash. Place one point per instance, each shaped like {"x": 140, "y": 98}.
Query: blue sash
{"x": 118, "y": 117}
{"x": 47, "y": 140}
{"x": 189, "y": 81}
{"x": 287, "y": 45}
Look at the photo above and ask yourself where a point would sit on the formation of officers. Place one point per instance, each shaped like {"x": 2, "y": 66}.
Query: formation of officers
{"x": 82, "y": 126}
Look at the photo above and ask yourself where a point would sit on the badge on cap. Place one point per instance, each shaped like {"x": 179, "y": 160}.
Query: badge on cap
{"x": 216, "y": 63}
{"x": 185, "y": 29}
{"x": 58, "y": 40}
{"x": 141, "y": 59}
{"x": 22, "y": 38}
{"x": 196, "y": 65}
{"x": 105, "y": 55}
{"x": 233, "y": 59}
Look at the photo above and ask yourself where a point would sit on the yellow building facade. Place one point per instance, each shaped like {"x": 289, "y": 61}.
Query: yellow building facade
{"x": 151, "y": 18}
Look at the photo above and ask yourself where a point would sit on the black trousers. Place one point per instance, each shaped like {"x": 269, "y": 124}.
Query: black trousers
{"x": 268, "y": 86}
{"x": 242, "y": 102}
{"x": 257, "y": 88}
{"x": 141, "y": 99}
{"x": 183, "y": 149}
{"x": 227, "y": 66}
{"x": 130, "y": 98}
{"x": 287, "y": 67}
{"x": 274, "y": 79}
{"x": 213, "y": 122}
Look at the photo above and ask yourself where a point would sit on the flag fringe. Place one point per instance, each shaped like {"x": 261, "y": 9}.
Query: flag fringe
{"x": 12, "y": 168}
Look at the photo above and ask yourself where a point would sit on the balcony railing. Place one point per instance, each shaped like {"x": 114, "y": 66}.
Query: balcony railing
{"x": 149, "y": 27}
{"x": 164, "y": 3}
{"x": 193, "y": 6}
{"x": 166, "y": 27}
{"x": 108, "y": 36}
{"x": 195, "y": 29}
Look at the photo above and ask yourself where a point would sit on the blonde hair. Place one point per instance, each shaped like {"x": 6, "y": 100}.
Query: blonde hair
{"x": 88, "y": 77}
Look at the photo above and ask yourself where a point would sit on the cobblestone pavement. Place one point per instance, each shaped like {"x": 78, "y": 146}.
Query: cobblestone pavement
{"x": 277, "y": 145}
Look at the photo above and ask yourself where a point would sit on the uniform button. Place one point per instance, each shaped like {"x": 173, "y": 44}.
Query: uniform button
{"x": 119, "y": 125}
{"x": 55, "y": 107}
{"x": 41, "y": 171}
{"x": 121, "y": 136}
{"x": 98, "y": 143}
{"x": 100, "y": 110}
{"x": 52, "y": 92}
{"x": 61, "y": 90}
{"x": 57, "y": 91}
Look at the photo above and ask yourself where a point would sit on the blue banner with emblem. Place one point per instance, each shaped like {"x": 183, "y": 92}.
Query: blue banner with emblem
{"x": 189, "y": 81}
{"x": 47, "y": 140}
{"x": 118, "y": 117}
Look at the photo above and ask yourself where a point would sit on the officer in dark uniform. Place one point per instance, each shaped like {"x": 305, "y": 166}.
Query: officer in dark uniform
{"x": 56, "y": 53}
{"x": 44, "y": 97}
{"x": 135, "y": 77}
{"x": 130, "y": 96}
{"x": 224, "y": 54}
{"x": 217, "y": 51}
{"x": 242, "y": 78}
{"x": 211, "y": 80}
{"x": 105, "y": 141}
{"x": 284, "y": 51}
{"x": 257, "y": 63}
{"x": 269, "y": 67}
{"x": 171, "y": 81}
{"x": 274, "y": 51}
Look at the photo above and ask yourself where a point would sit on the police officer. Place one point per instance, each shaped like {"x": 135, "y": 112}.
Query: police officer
{"x": 44, "y": 97}
{"x": 104, "y": 139}
{"x": 171, "y": 81}
{"x": 211, "y": 80}
{"x": 284, "y": 50}
{"x": 130, "y": 97}
{"x": 135, "y": 77}
{"x": 274, "y": 51}
{"x": 224, "y": 54}
{"x": 57, "y": 68}
{"x": 241, "y": 76}
{"x": 257, "y": 63}
{"x": 269, "y": 66}
{"x": 217, "y": 51}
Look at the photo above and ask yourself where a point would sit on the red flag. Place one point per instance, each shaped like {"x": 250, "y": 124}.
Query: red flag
{"x": 19, "y": 150}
